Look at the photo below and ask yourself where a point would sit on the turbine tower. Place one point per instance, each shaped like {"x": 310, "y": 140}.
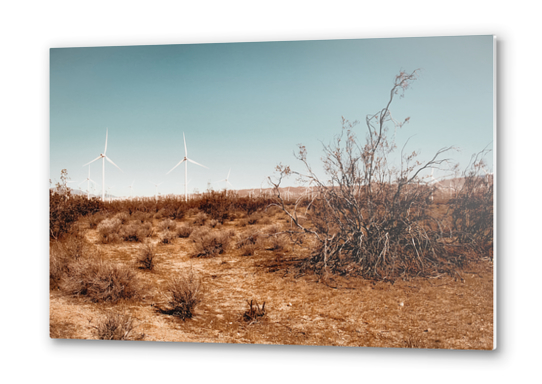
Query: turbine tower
{"x": 185, "y": 160}
{"x": 155, "y": 189}
{"x": 88, "y": 180}
{"x": 131, "y": 186}
{"x": 103, "y": 157}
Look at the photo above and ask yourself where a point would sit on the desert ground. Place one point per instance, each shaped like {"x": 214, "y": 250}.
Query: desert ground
{"x": 242, "y": 259}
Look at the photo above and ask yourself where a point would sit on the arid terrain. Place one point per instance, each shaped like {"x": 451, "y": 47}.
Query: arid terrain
{"x": 301, "y": 306}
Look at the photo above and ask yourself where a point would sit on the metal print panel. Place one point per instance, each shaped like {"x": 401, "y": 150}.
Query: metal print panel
{"x": 308, "y": 192}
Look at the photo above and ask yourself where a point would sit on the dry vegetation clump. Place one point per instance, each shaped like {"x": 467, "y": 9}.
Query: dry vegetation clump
{"x": 200, "y": 219}
{"x": 209, "y": 243}
{"x": 123, "y": 217}
{"x": 186, "y": 292}
{"x": 117, "y": 326}
{"x": 134, "y": 231}
{"x": 254, "y": 312}
{"x": 95, "y": 219}
{"x": 250, "y": 242}
{"x": 109, "y": 230}
{"x": 184, "y": 231}
{"x": 100, "y": 281}
{"x": 146, "y": 258}
{"x": 142, "y": 217}
{"x": 160, "y": 214}
{"x": 167, "y": 237}
{"x": 254, "y": 218}
{"x": 213, "y": 223}
{"x": 167, "y": 225}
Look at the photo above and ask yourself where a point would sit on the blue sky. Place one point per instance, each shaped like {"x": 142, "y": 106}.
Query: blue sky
{"x": 246, "y": 106}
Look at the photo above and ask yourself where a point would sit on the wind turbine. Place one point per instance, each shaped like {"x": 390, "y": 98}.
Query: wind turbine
{"x": 88, "y": 180}
{"x": 155, "y": 189}
{"x": 131, "y": 186}
{"x": 226, "y": 179}
{"x": 185, "y": 160}
{"x": 103, "y": 157}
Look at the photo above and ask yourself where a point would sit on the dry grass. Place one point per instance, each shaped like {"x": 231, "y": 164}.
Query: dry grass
{"x": 209, "y": 243}
{"x": 306, "y": 309}
{"x": 117, "y": 326}
{"x": 147, "y": 257}
{"x": 100, "y": 281}
{"x": 186, "y": 293}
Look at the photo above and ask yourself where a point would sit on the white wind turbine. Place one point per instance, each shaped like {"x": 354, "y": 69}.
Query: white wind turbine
{"x": 88, "y": 180}
{"x": 103, "y": 157}
{"x": 226, "y": 180}
{"x": 185, "y": 160}
{"x": 155, "y": 189}
{"x": 131, "y": 186}
{"x": 433, "y": 181}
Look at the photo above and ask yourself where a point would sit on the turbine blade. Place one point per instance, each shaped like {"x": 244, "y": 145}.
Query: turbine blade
{"x": 229, "y": 184}
{"x": 180, "y": 162}
{"x": 106, "y": 132}
{"x": 99, "y": 157}
{"x": 192, "y": 161}
{"x": 185, "y": 150}
{"x": 227, "y": 177}
{"x": 81, "y": 182}
{"x": 108, "y": 159}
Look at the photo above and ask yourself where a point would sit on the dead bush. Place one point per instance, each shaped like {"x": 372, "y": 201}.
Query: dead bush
{"x": 213, "y": 223}
{"x": 209, "y": 243}
{"x": 123, "y": 217}
{"x": 254, "y": 218}
{"x": 100, "y": 281}
{"x": 95, "y": 219}
{"x": 117, "y": 326}
{"x": 160, "y": 214}
{"x": 250, "y": 242}
{"x": 167, "y": 225}
{"x": 109, "y": 230}
{"x": 186, "y": 293}
{"x": 278, "y": 242}
{"x": 146, "y": 258}
{"x": 184, "y": 230}
{"x": 254, "y": 312}
{"x": 168, "y": 237}
{"x": 135, "y": 231}
{"x": 200, "y": 218}
{"x": 142, "y": 216}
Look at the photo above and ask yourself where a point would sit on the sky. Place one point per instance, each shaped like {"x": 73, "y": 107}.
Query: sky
{"x": 247, "y": 106}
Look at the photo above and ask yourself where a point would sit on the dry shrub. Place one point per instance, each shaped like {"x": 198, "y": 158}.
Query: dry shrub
{"x": 142, "y": 216}
{"x": 184, "y": 230}
{"x": 209, "y": 243}
{"x": 168, "y": 237}
{"x": 135, "y": 231}
{"x": 254, "y": 312}
{"x": 167, "y": 225}
{"x": 278, "y": 242}
{"x": 200, "y": 218}
{"x": 265, "y": 221}
{"x": 186, "y": 293}
{"x": 160, "y": 214}
{"x": 250, "y": 242}
{"x": 117, "y": 326}
{"x": 254, "y": 218}
{"x": 100, "y": 281}
{"x": 213, "y": 223}
{"x": 109, "y": 230}
{"x": 95, "y": 219}
{"x": 123, "y": 217}
{"x": 147, "y": 257}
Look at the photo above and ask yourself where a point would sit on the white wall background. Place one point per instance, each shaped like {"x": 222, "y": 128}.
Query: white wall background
{"x": 28, "y": 29}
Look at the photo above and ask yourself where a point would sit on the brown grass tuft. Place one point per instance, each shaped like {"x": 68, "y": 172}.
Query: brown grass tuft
{"x": 186, "y": 293}
{"x": 100, "y": 281}
{"x": 147, "y": 257}
{"x": 117, "y": 326}
{"x": 254, "y": 312}
{"x": 209, "y": 243}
